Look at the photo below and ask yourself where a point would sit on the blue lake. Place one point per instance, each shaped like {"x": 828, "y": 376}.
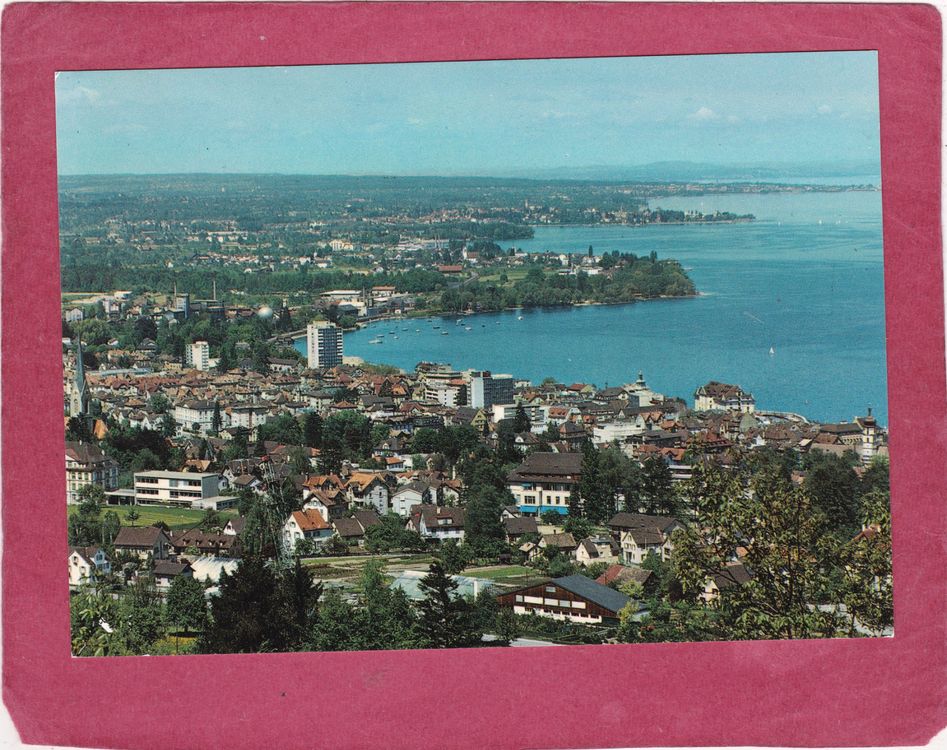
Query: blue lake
{"x": 805, "y": 279}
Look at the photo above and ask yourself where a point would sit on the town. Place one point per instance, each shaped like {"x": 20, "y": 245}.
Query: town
{"x": 226, "y": 493}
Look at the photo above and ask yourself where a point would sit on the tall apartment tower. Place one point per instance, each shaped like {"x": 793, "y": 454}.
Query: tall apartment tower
{"x": 487, "y": 389}
{"x": 324, "y": 344}
{"x": 198, "y": 355}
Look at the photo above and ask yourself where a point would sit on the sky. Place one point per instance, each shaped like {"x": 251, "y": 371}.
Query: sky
{"x": 471, "y": 118}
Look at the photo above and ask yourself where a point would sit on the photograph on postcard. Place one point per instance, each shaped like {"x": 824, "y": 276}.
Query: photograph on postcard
{"x": 474, "y": 354}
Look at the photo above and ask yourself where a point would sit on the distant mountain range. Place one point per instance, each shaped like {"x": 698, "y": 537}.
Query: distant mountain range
{"x": 687, "y": 170}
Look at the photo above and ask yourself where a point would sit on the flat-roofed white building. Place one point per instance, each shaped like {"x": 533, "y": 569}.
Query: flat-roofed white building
{"x": 537, "y": 414}
{"x": 487, "y": 389}
{"x": 198, "y": 355}
{"x": 181, "y": 488}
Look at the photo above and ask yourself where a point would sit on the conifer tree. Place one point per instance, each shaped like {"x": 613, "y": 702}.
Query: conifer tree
{"x": 444, "y": 619}
{"x": 596, "y": 498}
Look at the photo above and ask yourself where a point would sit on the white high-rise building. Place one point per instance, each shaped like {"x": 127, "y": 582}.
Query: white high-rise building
{"x": 324, "y": 344}
{"x": 198, "y": 355}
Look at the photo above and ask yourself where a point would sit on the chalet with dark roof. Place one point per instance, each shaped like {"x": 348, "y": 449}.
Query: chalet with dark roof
{"x": 574, "y": 598}
{"x": 143, "y": 541}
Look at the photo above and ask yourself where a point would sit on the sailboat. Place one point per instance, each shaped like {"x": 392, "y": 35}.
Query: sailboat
{"x": 772, "y": 351}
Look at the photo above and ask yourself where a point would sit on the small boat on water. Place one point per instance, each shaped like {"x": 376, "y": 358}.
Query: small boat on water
{"x": 519, "y": 317}
{"x": 394, "y": 335}
{"x": 468, "y": 328}
{"x": 378, "y": 340}
{"x": 772, "y": 351}
{"x": 444, "y": 333}
{"x": 435, "y": 327}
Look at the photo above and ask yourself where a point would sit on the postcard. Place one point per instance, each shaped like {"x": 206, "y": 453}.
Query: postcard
{"x": 404, "y": 378}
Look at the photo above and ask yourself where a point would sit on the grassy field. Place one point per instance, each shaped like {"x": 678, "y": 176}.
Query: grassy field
{"x": 499, "y": 572}
{"x": 176, "y": 518}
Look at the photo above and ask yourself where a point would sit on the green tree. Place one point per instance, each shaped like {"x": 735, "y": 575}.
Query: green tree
{"x": 88, "y": 526}
{"x": 833, "y": 485}
{"x": 283, "y": 429}
{"x": 597, "y": 499}
{"x": 483, "y": 530}
{"x": 140, "y": 620}
{"x": 444, "y": 619}
{"x": 387, "y": 620}
{"x": 312, "y": 430}
{"x": 333, "y": 626}
{"x": 212, "y": 521}
{"x": 780, "y": 531}
{"x": 93, "y": 616}
{"x": 656, "y": 490}
{"x": 186, "y": 606}
{"x": 244, "y": 615}
{"x": 216, "y": 419}
{"x": 452, "y": 557}
{"x": 132, "y": 515}
{"x": 521, "y": 421}
{"x": 391, "y": 535}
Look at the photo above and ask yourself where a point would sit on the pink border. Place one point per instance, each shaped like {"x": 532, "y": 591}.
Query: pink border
{"x": 791, "y": 693}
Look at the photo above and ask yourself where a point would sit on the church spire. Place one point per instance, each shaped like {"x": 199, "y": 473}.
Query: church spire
{"x": 80, "y": 396}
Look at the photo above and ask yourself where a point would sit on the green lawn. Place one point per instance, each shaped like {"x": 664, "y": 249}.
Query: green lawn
{"x": 176, "y": 518}
{"x": 498, "y": 573}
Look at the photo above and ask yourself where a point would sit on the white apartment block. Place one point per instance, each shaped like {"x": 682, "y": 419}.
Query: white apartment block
{"x": 487, "y": 389}
{"x": 181, "y": 488}
{"x": 201, "y": 413}
{"x": 446, "y": 393}
{"x": 323, "y": 344}
{"x": 538, "y": 414}
{"x": 198, "y": 355}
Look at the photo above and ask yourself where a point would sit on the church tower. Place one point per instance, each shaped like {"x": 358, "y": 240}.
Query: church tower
{"x": 79, "y": 393}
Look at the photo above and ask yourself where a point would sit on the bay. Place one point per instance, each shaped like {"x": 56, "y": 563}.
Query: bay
{"x": 806, "y": 279}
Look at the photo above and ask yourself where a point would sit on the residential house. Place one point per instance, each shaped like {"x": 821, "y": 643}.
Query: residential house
{"x": 86, "y": 564}
{"x": 307, "y": 524}
{"x": 143, "y": 541}
{"x": 716, "y": 396}
{"x": 165, "y": 571}
{"x": 572, "y": 598}
{"x": 564, "y": 542}
{"x": 198, "y": 542}
{"x": 595, "y": 549}
{"x": 517, "y": 526}
{"x": 732, "y": 574}
{"x": 368, "y": 490}
{"x": 639, "y": 534}
{"x": 86, "y": 465}
{"x": 437, "y": 522}
{"x": 408, "y": 495}
{"x": 545, "y": 481}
